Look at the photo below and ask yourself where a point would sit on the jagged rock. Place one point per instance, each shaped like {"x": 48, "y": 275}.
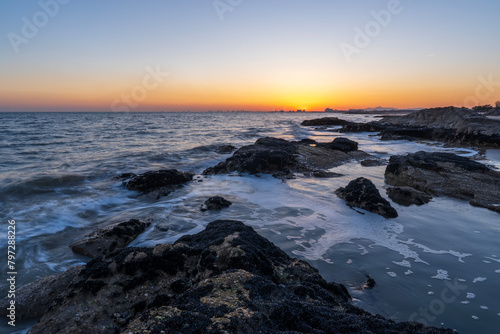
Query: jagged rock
{"x": 373, "y": 163}
{"x": 225, "y": 279}
{"x": 215, "y": 203}
{"x": 407, "y": 196}
{"x": 363, "y": 194}
{"x": 325, "y": 121}
{"x": 225, "y": 149}
{"x": 446, "y": 174}
{"x": 454, "y": 125}
{"x": 370, "y": 283}
{"x": 160, "y": 183}
{"x": 33, "y": 299}
{"x": 109, "y": 238}
{"x": 282, "y": 158}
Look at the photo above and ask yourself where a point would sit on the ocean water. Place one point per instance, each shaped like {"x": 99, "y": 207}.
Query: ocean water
{"x": 438, "y": 264}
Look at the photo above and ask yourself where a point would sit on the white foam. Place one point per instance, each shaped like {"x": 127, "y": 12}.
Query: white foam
{"x": 470, "y": 295}
{"x": 430, "y": 293}
{"x": 493, "y": 259}
{"x": 442, "y": 275}
{"x": 465, "y": 302}
{"x": 484, "y": 307}
{"x": 408, "y": 272}
{"x": 497, "y": 271}
{"x": 349, "y": 261}
{"x": 392, "y": 274}
{"x": 479, "y": 279}
{"x": 462, "y": 280}
{"x": 403, "y": 263}
{"x": 475, "y": 317}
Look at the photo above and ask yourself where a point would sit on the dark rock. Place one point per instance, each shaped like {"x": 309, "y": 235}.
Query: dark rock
{"x": 363, "y": 194}
{"x": 33, "y": 299}
{"x": 341, "y": 144}
{"x": 458, "y": 126}
{"x": 324, "y": 175}
{"x": 109, "y": 238}
{"x": 160, "y": 182}
{"x": 370, "y": 283}
{"x": 407, "y": 196}
{"x": 373, "y": 163}
{"x": 282, "y": 158}
{"x": 446, "y": 174}
{"x": 215, "y": 203}
{"x": 225, "y": 279}
{"x": 225, "y": 149}
{"x": 328, "y": 121}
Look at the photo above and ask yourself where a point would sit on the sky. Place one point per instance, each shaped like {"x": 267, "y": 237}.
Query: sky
{"x": 259, "y": 55}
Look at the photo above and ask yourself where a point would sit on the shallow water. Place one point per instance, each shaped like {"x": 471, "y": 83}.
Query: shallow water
{"x": 439, "y": 263}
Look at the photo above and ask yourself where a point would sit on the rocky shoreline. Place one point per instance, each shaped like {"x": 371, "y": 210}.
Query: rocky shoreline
{"x": 225, "y": 279}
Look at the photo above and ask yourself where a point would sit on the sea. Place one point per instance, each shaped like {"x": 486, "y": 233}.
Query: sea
{"x": 438, "y": 264}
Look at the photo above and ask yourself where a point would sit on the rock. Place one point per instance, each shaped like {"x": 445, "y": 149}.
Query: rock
{"x": 373, "y": 163}
{"x": 161, "y": 182}
{"x": 446, "y": 174}
{"x": 215, "y": 203}
{"x": 225, "y": 279}
{"x": 225, "y": 149}
{"x": 370, "y": 283}
{"x": 281, "y": 158}
{"x": 33, "y": 299}
{"x": 125, "y": 176}
{"x": 407, "y": 196}
{"x": 109, "y": 238}
{"x": 324, "y": 175}
{"x": 363, "y": 194}
{"x": 341, "y": 144}
{"x": 459, "y": 126}
{"x": 328, "y": 121}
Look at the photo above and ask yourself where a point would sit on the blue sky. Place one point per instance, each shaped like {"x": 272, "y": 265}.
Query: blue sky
{"x": 262, "y": 55}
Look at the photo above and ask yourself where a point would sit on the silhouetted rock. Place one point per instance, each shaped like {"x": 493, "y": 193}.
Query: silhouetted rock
{"x": 328, "y": 121}
{"x": 160, "y": 183}
{"x": 454, "y": 125}
{"x": 282, "y": 158}
{"x": 363, "y": 194}
{"x": 407, "y": 196}
{"x": 225, "y": 279}
{"x": 109, "y": 238}
{"x": 225, "y": 149}
{"x": 341, "y": 144}
{"x": 125, "y": 176}
{"x": 215, "y": 203}
{"x": 446, "y": 174}
{"x": 370, "y": 283}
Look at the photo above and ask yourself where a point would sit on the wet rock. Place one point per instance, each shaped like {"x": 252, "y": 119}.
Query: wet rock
{"x": 109, "y": 238}
{"x": 370, "y": 283}
{"x": 362, "y": 193}
{"x": 373, "y": 162}
{"x": 125, "y": 176}
{"x": 324, "y": 175}
{"x": 458, "y": 126}
{"x": 160, "y": 183}
{"x": 341, "y": 144}
{"x": 283, "y": 158}
{"x": 33, "y": 299}
{"x": 225, "y": 149}
{"x": 328, "y": 121}
{"x": 408, "y": 196}
{"x": 446, "y": 174}
{"x": 215, "y": 203}
{"x": 225, "y": 279}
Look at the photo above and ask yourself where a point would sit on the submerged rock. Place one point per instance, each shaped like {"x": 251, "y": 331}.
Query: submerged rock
{"x": 407, "y": 196}
{"x": 282, "y": 158}
{"x": 454, "y": 125}
{"x": 446, "y": 174}
{"x": 109, "y": 238}
{"x": 160, "y": 183}
{"x": 225, "y": 149}
{"x": 362, "y": 193}
{"x": 373, "y": 162}
{"x": 225, "y": 279}
{"x": 328, "y": 121}
{"x": 215, "y": 203}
